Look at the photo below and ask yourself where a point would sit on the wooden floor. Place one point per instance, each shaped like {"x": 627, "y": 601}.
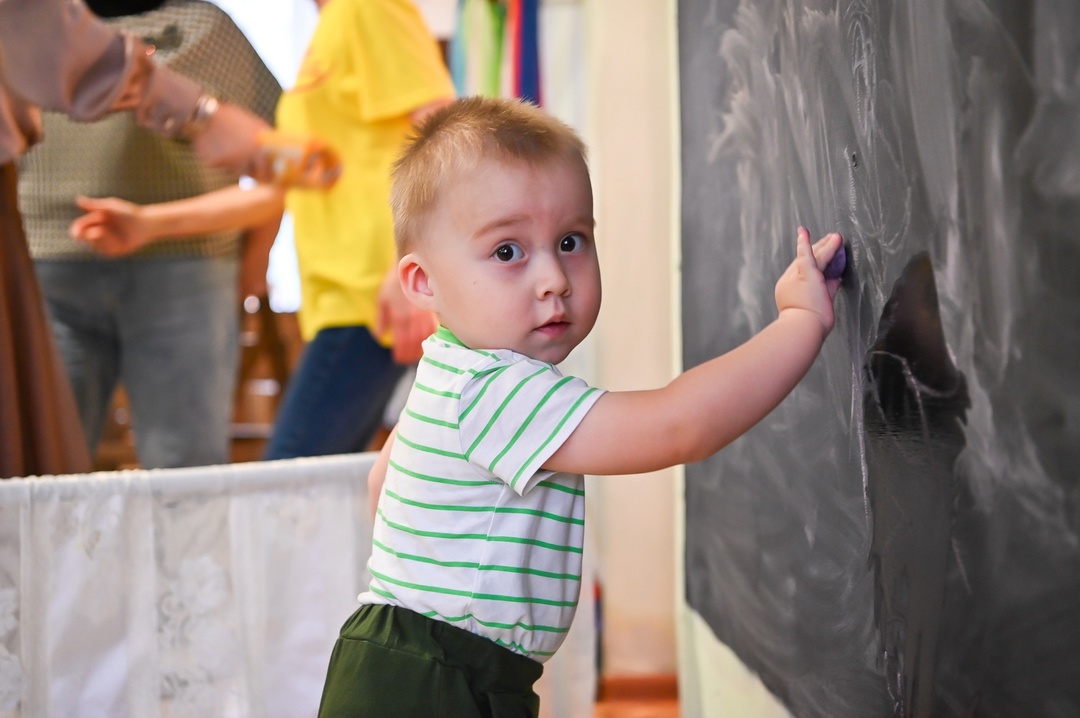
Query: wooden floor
{"x": 638, "y": 697}
{"x": 637, "y": 709}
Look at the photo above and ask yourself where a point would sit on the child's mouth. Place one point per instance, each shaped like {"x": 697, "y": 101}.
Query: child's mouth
{"x": 554, "y": 328}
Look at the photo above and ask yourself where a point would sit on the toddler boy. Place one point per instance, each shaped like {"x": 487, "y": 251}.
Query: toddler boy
{"x": 476, "y": 562}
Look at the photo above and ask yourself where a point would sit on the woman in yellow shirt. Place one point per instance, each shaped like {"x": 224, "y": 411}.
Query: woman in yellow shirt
{"x": 371, "y": 69}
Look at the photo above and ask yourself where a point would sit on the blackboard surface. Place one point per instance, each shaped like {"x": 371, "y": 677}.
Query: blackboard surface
{"x": 901, "y": 537}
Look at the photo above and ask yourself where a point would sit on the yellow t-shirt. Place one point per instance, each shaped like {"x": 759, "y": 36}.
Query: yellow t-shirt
{"x": 369, "y": 65}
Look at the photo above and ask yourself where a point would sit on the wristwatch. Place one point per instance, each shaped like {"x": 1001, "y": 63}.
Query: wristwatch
{"x": 205, "y": 109}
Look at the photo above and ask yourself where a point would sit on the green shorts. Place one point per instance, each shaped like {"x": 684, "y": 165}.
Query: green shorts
{"x": 390, "y": 662}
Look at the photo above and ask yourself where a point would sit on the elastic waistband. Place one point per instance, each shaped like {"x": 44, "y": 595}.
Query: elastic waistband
{"x": 491, "y": 667}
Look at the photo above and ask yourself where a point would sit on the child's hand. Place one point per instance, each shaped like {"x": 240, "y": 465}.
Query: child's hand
{"x": 111, "y": 227}
{"x": 803, "y": 286}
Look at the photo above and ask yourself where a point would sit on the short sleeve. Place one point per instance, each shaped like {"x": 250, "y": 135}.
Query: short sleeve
{"x": 515, "y": 416}
{"x": 399, "y": 67}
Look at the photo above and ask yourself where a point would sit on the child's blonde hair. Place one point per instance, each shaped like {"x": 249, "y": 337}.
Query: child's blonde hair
{"x": 457, "y": 137}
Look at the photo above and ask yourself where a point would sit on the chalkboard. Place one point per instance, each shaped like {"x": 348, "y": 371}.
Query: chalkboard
{"x": 901, "y": 537}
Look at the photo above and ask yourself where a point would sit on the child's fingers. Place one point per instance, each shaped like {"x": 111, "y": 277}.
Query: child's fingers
{"x": 822, "y": 253}
{"x": 802, "y": 236}
{"x": 826, "y": 240}
{"x": 802, "y": 243}
{"x": 826, "y": 248}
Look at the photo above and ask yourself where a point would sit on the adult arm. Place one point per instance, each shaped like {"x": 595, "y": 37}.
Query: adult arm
{"x": 255, "y": 257}
{"x": 58, "y": 55}
{"x": 408, "y": 324}
{"x": 711, "y": 405}
{"x": 114, "y": 227}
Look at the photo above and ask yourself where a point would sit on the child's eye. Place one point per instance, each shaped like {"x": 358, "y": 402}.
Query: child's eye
{"x": 572, "y": 243}
{"x": 508, "y": 252}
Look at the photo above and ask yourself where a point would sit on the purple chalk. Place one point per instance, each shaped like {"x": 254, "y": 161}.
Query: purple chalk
{"x": 836, "y": 266}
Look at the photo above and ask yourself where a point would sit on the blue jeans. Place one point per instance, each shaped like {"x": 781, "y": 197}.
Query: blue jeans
{"x": 335, "y": 399}
{"x": 168, "y": 329}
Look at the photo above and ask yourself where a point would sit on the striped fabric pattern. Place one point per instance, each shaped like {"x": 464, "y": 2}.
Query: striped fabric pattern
{"x": 469, "y": 529}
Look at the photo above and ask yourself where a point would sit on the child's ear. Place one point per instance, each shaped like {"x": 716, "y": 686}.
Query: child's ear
{"x": 414, "y": 281}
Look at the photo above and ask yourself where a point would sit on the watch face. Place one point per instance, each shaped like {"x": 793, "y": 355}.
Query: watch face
{"x": 117, "y": 8}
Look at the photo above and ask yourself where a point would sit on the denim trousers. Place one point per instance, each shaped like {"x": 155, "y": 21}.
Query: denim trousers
{"x": 335, "y": 398}
{"x": 168, "y": 329}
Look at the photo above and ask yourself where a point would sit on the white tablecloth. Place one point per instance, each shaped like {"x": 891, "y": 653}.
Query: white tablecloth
{"x": 213, "y": 591}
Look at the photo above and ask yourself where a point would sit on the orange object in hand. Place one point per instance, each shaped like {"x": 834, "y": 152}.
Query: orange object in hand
{"x": 296, "y": 161}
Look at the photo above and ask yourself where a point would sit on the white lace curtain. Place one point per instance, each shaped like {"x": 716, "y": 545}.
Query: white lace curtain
{"x": 215, "y": 591}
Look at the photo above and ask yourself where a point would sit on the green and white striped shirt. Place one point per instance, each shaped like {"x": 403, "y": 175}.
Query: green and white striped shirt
{"x": 469, "y": 529}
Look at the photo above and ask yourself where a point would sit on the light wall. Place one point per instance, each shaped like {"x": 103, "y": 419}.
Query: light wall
{"x": 630, "y": 129}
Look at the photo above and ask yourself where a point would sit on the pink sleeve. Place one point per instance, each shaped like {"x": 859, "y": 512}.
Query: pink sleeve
{"x": 58, "y": 55}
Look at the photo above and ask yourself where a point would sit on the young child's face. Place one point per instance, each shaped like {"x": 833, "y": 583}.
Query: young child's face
{"x": 510, "y": 260}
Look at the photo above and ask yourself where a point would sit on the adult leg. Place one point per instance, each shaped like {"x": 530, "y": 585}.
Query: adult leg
{"x": 335, "y": 398}
{"x": 82, "y": 296}
{"x": 39, "y": 425}
{"x": 179, "y": 329}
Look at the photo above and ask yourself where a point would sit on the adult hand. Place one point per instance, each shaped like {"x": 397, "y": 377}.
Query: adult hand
{"x": 292, "y": 160}
{"x": 235, "y": 139}
{"x": 111, "y": 227}
{"x": 408, "y": 324}
{"x": 230, "y": 138}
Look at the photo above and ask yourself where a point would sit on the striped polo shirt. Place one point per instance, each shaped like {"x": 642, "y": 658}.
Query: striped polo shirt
{"x": 469, "y": 529}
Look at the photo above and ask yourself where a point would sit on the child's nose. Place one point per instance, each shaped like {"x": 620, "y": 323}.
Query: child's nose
{"x": 553, "y": 279}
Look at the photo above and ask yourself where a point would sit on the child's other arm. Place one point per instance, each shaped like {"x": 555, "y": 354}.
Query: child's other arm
{"x": 377, "y": 475}
{"x": 712, "y": 404}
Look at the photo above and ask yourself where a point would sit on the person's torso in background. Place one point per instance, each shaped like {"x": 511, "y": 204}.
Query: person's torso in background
{"x": 117, "y": 158}
{"x": 370, "y": 64}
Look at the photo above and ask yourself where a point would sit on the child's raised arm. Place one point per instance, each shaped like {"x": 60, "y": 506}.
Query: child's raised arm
{"x": 711, "y": 405}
